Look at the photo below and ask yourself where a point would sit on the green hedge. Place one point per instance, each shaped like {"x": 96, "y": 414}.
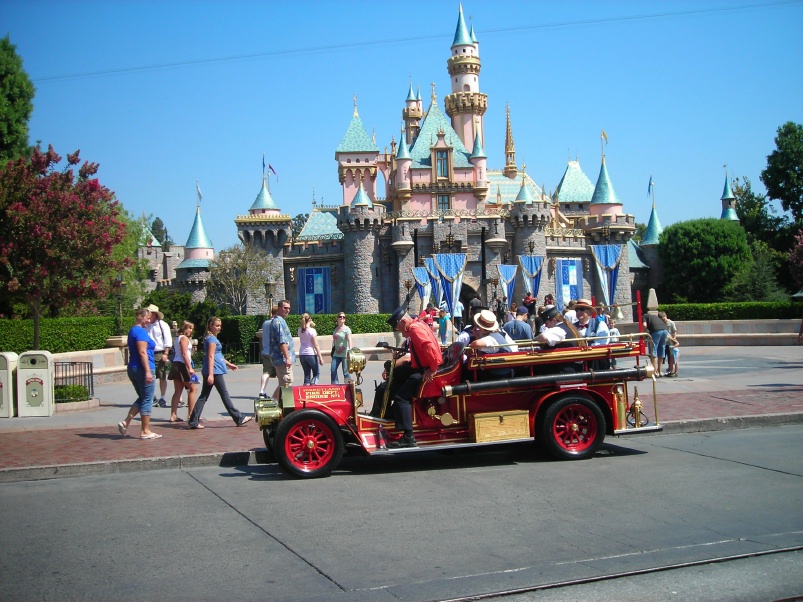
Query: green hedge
{"x": 57, "y": 335}
{"x": 752, "y": 310}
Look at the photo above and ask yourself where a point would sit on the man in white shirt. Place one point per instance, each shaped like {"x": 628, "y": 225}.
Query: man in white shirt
{"x": 159, "y": 331}
{"x": 593, "y": 328}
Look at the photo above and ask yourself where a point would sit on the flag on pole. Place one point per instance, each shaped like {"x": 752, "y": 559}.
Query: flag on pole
{"x": 649, "y": 186}
{"x": 263, "y": 165}
{"x": 270, "y": 167}
{"x": 198, "y": 190}
{"x": 605, "y": 136}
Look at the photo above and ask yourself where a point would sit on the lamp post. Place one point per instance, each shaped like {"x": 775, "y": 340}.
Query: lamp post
{"x": 119, "y": 287}
{"x": 270, "y": 289}
{"x": 408, "y": 284}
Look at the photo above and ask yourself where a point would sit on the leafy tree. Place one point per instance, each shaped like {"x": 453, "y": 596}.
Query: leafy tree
{"x": 757, "y": 281}
{"x": 796, "y": 261}
{"x": 783, "y": 176}
{"x": 237, "y": 273}
{"x": 16, "y": 94}
{"x": 298, "y": 223}
{"x": 638, "y": 235}
{"x": 699, "y": 257}
{"x": 57, "y": 233}
{"x": 158, "y": 230}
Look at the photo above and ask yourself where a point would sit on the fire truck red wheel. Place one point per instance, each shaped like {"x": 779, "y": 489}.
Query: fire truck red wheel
{"x": 308, "y": 444}
{"x": 573, "y": 428}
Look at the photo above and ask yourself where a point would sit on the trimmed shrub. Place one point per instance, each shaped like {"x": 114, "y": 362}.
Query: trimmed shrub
{"x": 752, "y": 310}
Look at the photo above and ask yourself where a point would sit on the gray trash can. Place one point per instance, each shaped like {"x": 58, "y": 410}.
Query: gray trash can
{"x": 36, "y": 375}
{"x": 8, "y": 384}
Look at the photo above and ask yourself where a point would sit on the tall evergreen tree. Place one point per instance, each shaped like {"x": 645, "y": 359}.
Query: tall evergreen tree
{"x": 16, "y": 96}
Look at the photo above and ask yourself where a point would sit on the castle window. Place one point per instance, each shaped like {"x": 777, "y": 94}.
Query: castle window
{"x": 444, "y": 203}
{"x": 442, "y": 158}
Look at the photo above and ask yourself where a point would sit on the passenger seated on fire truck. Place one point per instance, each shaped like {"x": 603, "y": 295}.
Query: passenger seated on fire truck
{"x": 491, "y": 339}
{"x": 554, "y": 334}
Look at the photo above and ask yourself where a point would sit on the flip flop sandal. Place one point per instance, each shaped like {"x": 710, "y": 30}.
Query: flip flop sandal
{"x": 177, "y": 419}
{"x": 246, "y": 420}
{"x": 200, "y": 426}
{"x": 151, "y": 436}
{"x": 122, "y": 428}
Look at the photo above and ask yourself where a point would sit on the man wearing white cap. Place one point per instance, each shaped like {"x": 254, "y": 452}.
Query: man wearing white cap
{"x": 159, "y": 331}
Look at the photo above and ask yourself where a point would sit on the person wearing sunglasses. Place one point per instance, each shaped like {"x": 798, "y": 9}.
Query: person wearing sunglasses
{"x": 341, "y": 343}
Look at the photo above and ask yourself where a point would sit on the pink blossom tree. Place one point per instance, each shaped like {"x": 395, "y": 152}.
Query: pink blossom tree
{"x": 57, "y": 233}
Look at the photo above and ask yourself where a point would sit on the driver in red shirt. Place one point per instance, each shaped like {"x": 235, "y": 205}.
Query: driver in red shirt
{"x": 421, "y": 364}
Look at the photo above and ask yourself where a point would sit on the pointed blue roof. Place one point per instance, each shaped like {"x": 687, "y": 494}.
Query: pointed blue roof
{"x": 729, "y": 213}
{"x": 654, "y": 229}
{"x": 526, "y": 193}
{"x": 472, "y": 35}
{"x": 478, "y": 152}
{"x": 321, "y": 225}
{"x": 434, "y": 122}
{"x": 403, "y": 150}
{"x": 604, "y": 194}
{"x": 574, "y": 186}
{"x": 410, "y": 94}
{"x": 361, "y": 199}
{"x": 147, "y": 239}
{"x": 635, "y": 256}
{"x": 356, "y": 139}
{"x": 727, "y": 195}
{"x": 418, "y": 96}
{"x": 198, "y": 238}
{"x": 264, "y": 200}
{"x": 461, "y": 35}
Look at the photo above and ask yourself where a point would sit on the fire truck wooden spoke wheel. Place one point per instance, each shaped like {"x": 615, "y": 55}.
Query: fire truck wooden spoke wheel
{"x": 308, "y": 444}
{"x": 573, "y": 428}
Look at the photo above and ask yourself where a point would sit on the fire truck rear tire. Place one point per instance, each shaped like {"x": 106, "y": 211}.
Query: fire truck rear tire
{"x": 308, "y": 444}
{"x": 573, "y": 428}
{"x": 267, "y": 437}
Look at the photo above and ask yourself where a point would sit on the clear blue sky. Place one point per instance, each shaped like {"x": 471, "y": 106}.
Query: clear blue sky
{"x": 162, "y": 94}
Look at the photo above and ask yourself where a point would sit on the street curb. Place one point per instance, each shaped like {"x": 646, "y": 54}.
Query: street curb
{"x": 263, "y": 456}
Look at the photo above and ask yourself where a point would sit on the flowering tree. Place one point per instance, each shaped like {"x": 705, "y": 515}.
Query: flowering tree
{"x": 57, "y": 234}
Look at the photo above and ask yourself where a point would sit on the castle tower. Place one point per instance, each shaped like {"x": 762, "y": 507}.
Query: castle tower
{"x": 466, "y": 104}
{"x": 402, "y": 174}
{"x": 360, "y": 221}
{"x": 411, "y": 114}
{"x": 529, "y": 215}
{"x": 510, "y": 148}
{"x": 479, "y": 160}
{"x": 728, "y": 202}
{"x": 268, "y": 229}
{"x": 193, "y": 272}
{"x": 356, "y": 157}
{"x": 649, "y": 248}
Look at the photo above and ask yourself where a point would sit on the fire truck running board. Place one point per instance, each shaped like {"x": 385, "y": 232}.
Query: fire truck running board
{"x": 428, "y": 447}
{"x": 654, "y": 428}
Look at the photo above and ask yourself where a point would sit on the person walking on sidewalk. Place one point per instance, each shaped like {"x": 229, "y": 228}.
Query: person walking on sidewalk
{"x": 282, "y": 351}
{"x": 182, "y": 372}
{"x": 308, "y": 351}
{"x": 267, "y": 365}
{"x": 213, "y": 368}
{"x": 159, "y": 331}
{"x": 140, "y": 370}
{"x": 341, "y": 343}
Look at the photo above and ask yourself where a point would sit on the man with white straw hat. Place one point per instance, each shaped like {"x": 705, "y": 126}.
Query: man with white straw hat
{"x": 159, "y": 331}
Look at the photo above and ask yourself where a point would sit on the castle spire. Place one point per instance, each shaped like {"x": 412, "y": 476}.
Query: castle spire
{"x": 510, "y": 148}
{"x": 728, "y": 201}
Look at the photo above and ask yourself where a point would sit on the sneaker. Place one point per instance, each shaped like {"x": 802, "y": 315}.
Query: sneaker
{"x": 162, "y": 402}
{"x": 263, "y": 395}
{"x": 403, "y": 442}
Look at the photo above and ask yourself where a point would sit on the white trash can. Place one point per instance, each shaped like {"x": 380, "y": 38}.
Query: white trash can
{"x": 8, "y": 384}
{"x": 36, "y": 376}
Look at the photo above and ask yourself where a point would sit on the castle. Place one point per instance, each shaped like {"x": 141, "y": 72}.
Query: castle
{"x": 441, "y": 198}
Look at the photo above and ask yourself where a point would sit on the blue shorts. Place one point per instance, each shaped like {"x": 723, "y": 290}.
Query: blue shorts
{"x": 659, "y": 343}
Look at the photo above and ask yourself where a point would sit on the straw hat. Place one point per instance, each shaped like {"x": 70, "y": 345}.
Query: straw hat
{"x": 486, "y": 320}
{"x": 155, "y": 310}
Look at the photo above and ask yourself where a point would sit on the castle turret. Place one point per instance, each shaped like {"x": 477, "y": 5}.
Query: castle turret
{"x": 403, "y": 163}
{"x": 193, "y": 271}
{"x": 357, "y": 156}
{"x": 479, "y": 160}
{"x": 268, "y": 229}
{"x": 466, "y": 104}
{"x": 411, "y": 114}
{"x": 728, "y": 202}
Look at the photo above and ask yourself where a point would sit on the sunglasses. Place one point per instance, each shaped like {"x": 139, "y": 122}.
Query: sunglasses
{"x": 343, "y": 317}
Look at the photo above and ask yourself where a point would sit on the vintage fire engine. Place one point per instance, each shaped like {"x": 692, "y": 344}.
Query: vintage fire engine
{"x": 568, "y": 413}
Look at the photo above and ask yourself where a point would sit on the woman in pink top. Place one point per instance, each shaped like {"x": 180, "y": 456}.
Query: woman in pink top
{"x": 308, "y": 352}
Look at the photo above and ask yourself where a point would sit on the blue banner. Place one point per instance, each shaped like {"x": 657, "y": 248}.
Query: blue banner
{"x": 507, "y": 274}
{"x": 531, "y": 268}
{"x": 607, "y": 258}
{"x": 569, "y": 281}
{"x": 450, "y": 268}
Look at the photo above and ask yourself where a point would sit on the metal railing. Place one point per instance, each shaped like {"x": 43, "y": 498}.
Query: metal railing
{"x": 73, "y": 381}
{"x": 248, "y": 355}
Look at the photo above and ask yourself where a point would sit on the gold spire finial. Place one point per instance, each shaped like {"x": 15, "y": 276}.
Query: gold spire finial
{"x": 434, "y": 96}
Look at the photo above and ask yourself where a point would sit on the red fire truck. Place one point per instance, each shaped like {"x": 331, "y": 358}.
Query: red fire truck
{"x": 569, "y": 413}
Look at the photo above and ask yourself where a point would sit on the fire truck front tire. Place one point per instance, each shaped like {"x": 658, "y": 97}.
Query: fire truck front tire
{"x": 573, "y": 428}
{"x": 308, "y": 444}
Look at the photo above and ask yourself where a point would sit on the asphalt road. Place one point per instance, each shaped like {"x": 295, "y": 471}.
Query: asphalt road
{"x": 430, "y": 527}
